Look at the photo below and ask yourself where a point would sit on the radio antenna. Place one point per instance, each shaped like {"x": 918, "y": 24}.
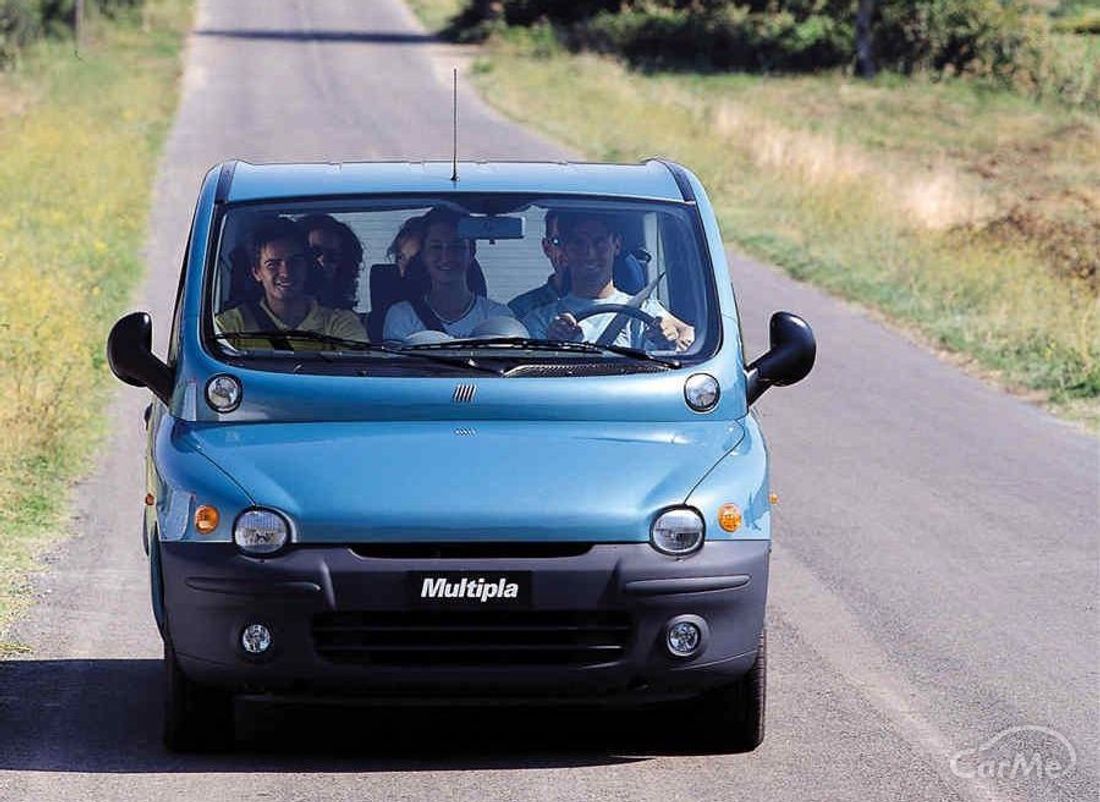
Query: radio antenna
{"x": 454, "y": 150}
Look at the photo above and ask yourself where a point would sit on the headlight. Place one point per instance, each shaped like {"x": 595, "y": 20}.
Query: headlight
{"x": 223, "y": 393}
{"x": 701, "y": 392}
{"x": 678, "y": 531}
{"x": 260, "y": 531}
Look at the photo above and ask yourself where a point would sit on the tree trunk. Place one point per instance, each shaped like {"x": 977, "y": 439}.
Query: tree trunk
{"x": 78, "y": 23}
{"x": 865, "y": 55}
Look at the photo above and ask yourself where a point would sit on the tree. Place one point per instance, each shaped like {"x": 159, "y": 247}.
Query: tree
{"x": 865, "y": 54}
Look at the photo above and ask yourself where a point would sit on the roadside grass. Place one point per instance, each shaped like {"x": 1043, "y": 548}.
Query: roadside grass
{"x": 434, "y": 14}
{"x": 968, "y": 216}
{"x": 79, "y": 139}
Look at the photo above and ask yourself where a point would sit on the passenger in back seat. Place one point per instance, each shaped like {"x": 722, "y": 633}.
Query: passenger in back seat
{"x": 337, "y": 256}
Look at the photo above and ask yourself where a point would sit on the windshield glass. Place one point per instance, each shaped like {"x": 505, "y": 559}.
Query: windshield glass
{"x": 481, "y": 282}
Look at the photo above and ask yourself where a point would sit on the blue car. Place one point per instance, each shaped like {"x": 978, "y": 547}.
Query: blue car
{"x": 479, "y": 431}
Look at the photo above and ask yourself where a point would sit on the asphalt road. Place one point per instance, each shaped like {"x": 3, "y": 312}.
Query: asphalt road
{"x": 935, "y": 573}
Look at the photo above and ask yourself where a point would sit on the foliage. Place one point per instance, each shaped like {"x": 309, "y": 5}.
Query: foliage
{"x": 731, "y": 37}
{"x": 1002, "y": 42}
{"x": 22, "y": 21}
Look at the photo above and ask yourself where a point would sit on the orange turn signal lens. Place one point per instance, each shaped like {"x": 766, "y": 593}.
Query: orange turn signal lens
{"x": 206, "y": 519}
{"x": 729, "y": 517}
{"x": 773, "y": 498}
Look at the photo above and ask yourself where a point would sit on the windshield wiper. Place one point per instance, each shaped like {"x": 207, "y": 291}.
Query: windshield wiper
{"x": 530, "y": 343}
{"x": 354, "y": 345}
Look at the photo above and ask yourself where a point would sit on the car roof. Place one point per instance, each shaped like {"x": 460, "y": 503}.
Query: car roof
{"x": 255, "y": 182}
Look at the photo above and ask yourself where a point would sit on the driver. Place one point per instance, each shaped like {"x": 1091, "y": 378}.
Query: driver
{"x": 450, "y": 305}
{"x": 590, "y": 244}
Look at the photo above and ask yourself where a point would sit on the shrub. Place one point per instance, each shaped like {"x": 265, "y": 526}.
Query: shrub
{"x": 1004, "y": 42}
{"x": 729, "y": 38}
{"x": 22, "y": 21}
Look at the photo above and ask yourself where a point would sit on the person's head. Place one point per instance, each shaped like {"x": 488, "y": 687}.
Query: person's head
{"x": 590, "y": 242}
{"x": 278, "y": 254}
{"x": 552, "y": 243}
{"x": 444, "y": 254}
{"x": 406, "y": 244}
{"x": 337, "y": 254}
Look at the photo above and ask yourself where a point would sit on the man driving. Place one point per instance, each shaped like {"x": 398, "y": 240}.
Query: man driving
{"x": 555, "y": 286}
{"x": 279, "y": 262}
{"x": 590, "y": 243}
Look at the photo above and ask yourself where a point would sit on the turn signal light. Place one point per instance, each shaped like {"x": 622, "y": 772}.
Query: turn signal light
{"x": 206, "y": 519}
{"x": 729, "y": 517}
{"x": 773, "y": 498}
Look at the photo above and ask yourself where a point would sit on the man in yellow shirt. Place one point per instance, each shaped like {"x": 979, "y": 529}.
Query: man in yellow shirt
{"x": 279, "y": 262}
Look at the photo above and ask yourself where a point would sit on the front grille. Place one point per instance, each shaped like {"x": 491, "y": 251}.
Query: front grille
{"x": 472, "y": 637}
{"x": 470, "y": 551}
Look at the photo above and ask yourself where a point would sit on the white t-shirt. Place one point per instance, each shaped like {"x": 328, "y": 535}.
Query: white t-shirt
{"x": 402, "y": 320}
{"x": 633, "y": 335}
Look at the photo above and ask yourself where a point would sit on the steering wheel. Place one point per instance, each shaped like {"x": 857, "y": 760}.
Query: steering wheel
{"x": 629, "y": 311}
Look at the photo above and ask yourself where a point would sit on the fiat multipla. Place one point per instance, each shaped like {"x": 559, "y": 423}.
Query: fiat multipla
{"x": 427, "y": 432}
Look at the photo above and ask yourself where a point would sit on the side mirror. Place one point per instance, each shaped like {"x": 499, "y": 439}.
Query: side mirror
{"x": 790, "y": 358}
{"x": 130, "y": 355}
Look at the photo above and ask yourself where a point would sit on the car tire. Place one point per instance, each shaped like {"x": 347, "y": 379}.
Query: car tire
{"x": 732, "y": 717}
{"x": 197, "y": 718}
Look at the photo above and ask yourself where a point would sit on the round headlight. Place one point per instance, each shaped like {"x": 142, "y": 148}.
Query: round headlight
{"x": 701, "y": 392}
{"x": 223, "y": 392}
{"x": 260, "y": 531}
{"x": 678, "y": 531}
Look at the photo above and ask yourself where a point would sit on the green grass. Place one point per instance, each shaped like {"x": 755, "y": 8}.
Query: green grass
{"x": 969, "y": 216}
{"x": 79, "y": 139}
{"x": 435, "y": 14}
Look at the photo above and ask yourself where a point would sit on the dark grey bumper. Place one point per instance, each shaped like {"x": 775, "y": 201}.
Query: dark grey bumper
{"x": 211, "y": 593}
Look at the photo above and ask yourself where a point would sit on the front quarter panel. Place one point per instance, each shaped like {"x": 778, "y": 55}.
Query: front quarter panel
{"x": 185, "y": 479}
{"x": 741, "y": 478}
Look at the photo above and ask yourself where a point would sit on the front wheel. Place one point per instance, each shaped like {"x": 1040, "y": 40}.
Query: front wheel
{"x": 731, "y": 719}
{"x": 196, "y": 718}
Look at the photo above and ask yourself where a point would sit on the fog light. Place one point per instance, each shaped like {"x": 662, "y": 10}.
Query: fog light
{"x": 685, "y": 635}
{"x": 256, "y": 639}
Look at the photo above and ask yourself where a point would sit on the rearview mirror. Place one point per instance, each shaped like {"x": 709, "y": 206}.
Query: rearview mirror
{"x": 789, "y": 360}
{"x": 491, "y": 227}
{"x": 130, "y": 355}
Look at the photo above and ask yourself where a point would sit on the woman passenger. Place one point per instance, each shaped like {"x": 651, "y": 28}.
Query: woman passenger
{"x": 337, "y": 255}
{"x": 406, "y": 244}
{"x": 448, "y": 304}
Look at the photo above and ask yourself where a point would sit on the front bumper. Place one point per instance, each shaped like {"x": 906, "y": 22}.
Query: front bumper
{"x": 212, "y": 592}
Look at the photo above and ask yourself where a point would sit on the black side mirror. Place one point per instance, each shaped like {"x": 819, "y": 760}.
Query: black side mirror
{"x": 130, "y": 355}
{"x": 789, "y": 360}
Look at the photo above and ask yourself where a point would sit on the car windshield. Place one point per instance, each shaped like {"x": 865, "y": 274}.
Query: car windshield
{"x": 470, "y": 282}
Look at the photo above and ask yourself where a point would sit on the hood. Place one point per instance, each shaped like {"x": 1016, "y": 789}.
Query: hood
{"x": 434, "y": 481}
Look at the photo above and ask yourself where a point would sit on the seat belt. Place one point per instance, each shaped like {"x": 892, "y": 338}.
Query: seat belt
{"x": 429, "y": 318}
{"x": 607, "y": 337}
{"x": 263, "y": 324}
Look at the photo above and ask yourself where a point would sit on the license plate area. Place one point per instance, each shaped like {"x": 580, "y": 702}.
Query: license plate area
{"x": 492, "y": 590}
